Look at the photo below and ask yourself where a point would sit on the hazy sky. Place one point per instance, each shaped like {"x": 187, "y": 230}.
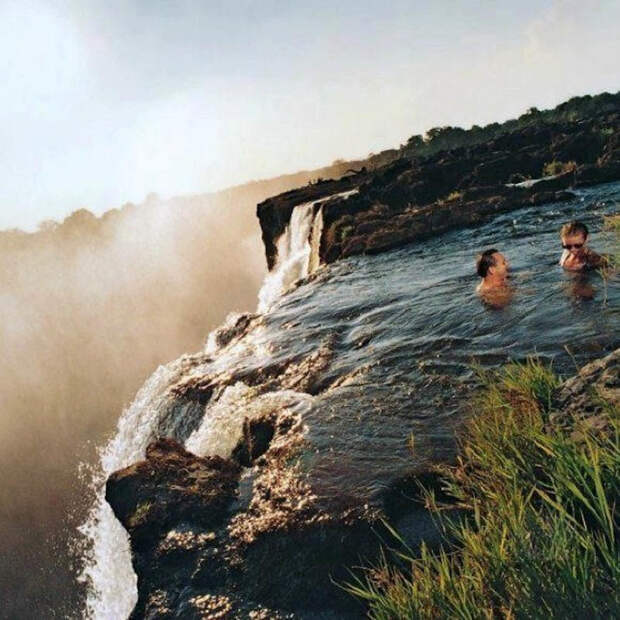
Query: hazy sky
{"x": 102, "y": 102}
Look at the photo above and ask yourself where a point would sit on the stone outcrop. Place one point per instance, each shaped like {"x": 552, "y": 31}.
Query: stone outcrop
{"x": 592, "y": 391}
{"x": 412, "y": 198}
{"x": 245, "y": 536}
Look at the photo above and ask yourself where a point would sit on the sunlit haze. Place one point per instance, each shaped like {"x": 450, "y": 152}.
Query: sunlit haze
{"x": 104, "y": 102}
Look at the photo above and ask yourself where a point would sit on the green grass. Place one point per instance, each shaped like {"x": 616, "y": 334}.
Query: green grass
{"x": 140, "y": 515}
{"x": 540, "y": 535}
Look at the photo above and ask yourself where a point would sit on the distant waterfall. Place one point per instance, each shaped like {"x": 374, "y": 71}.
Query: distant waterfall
{"x": 298, "y": 249}
{"x": 293, "y": 255}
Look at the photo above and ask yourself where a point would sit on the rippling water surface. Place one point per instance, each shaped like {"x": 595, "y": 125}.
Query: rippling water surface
{"x": 389, "y": 341}
{"x": 404, "y": 325}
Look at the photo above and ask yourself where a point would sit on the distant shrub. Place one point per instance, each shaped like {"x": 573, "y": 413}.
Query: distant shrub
{"x": 558, "y": 167}
{"x": 345, "y": 232}
{"x": 452, "y": 196}
{"x": 141, "y": 513}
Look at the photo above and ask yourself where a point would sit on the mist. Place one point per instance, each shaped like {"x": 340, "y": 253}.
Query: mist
{"x": 90, "y": 307}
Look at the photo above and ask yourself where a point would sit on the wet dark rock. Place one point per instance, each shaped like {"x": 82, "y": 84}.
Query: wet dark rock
{"x": 169, "y": 487}
{"x": 471, "y": 179}
{"x": 232, "y": 330}
{"x": 356, "y": 245}
{"x": 194, "y": 555}
{"x": 592, "y": 391}
{"x": 257, "y": 434}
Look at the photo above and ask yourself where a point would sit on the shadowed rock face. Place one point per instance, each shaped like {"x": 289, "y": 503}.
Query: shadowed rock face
{"x": 170, "y": 486}
{"x": 413, "y": 198}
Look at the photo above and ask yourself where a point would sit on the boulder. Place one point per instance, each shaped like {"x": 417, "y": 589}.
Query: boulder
{"x": 594, "y": 389}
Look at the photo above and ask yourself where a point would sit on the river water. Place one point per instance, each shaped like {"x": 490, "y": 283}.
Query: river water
{"x": 378, "y": 350}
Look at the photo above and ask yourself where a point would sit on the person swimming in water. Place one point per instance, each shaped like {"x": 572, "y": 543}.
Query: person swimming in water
{"x": 576, "y": 255}
{"x": 494, "y": 289}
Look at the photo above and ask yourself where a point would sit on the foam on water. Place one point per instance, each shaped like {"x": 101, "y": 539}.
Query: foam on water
{"x": 112, "y": 583}
{"x": 222, "y": 424}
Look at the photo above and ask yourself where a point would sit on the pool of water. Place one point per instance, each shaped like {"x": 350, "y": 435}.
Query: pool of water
{"x": 402, "y": 330}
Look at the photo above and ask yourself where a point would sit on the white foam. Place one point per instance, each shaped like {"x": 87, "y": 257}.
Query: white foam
{"x": 222, "y": 424}
{"x": 112, "y": 591}
{"x": 293, "y": 255}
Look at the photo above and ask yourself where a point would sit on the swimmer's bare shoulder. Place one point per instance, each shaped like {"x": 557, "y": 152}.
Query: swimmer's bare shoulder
{"x": 497, "y": 297}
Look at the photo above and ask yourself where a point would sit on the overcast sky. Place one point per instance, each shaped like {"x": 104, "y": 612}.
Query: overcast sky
{"x": 102, "y": 102}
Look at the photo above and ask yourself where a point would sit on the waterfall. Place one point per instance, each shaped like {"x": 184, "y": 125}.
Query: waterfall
{"x": 293, "y": 256}
{"x": 298, "y": 249}
{"x": 112, "y": 584}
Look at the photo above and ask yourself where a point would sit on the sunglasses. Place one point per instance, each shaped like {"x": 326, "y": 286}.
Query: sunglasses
{"x": 569, "y": 246}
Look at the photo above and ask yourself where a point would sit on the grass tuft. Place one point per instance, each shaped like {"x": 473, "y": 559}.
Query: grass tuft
{"x": 539, "y": 538}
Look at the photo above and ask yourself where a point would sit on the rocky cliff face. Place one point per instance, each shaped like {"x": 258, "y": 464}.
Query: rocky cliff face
{"x": 414, "y": 197}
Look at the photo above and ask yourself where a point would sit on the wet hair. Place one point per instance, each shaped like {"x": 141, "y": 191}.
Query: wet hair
{"x": 484, "y": 261}
{"x": 574, "y": 228}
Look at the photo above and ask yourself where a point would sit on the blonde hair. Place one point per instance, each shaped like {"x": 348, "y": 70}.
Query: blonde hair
{"x": 573, "y": 228}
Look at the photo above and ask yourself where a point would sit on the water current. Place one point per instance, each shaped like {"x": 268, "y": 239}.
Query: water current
{"x": 379, "y": 349}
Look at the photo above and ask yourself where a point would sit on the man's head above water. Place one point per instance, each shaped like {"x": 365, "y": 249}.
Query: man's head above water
{"x": 492, "y": 267}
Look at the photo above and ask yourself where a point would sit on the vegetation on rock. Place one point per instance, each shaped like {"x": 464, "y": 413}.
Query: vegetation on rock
{"x": 540, "y": 533}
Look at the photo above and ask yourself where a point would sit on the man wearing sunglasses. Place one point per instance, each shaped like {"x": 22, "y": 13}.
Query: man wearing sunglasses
{"x": 576, "y": 255}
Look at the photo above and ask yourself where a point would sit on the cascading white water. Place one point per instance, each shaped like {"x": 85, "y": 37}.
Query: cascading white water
{"x": 315, "y": 240}
{"x": 112, "y": 591}
{"x": 298, "y": 248}
{"x": 293, "y": 256}
{"x": 222, "y": 425}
